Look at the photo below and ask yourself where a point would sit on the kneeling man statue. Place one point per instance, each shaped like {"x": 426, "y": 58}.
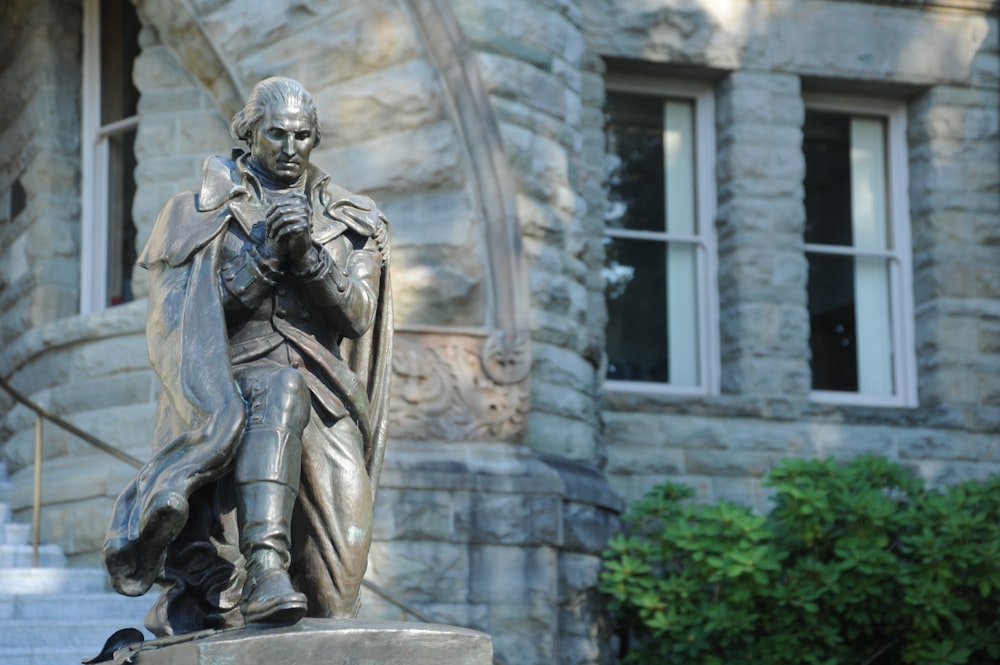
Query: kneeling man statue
{"x": 270, "y": 328}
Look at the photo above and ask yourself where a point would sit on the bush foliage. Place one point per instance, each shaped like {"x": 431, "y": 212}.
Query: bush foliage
{"x": 855, "y": 564}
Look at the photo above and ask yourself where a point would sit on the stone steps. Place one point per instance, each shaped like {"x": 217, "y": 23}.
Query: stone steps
{"x": 53, "y": 615}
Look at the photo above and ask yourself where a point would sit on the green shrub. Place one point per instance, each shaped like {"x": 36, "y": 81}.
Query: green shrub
{"x": 855, "y": 564}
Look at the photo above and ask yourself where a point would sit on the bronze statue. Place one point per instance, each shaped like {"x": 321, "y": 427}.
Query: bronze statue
{"x": 270, "y": 328}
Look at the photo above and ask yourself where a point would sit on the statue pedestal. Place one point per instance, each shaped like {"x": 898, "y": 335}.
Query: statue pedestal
{"x": 328, "y": 642}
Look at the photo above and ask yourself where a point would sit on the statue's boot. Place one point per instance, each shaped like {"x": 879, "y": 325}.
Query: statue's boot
{"x": 267, "y": 477}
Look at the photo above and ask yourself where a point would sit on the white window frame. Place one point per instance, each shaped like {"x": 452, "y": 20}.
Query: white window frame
{"x": 898, "y": 254}
{"x": 94, "y": 148}
{"x": 702, "y": 97}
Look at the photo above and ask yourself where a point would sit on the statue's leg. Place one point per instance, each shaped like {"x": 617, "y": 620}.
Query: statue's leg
{"x": 267, "y": 481}
{"x": 332, "y": 525}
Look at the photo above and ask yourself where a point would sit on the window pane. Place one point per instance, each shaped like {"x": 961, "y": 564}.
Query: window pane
{"x": 874, "y": 326}
{"x": 826, "y": 143}
{"x": 868, "y": 184}
{"x": 832, "y": 319}
{"x": 682, "y": 314}
{"x": 119, "y": 48}
{"x": 652, "y": 312}
{"x": 635, "y": 162}
{"x": 636, "y": 275}
{"x": 121, "y": 227}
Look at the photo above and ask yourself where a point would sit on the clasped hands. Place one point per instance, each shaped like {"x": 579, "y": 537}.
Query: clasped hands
{"x": 284, "y": 239}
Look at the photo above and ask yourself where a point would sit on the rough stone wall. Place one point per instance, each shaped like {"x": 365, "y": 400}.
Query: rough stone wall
{"x": 954, "y": 134}
{"x": 532, "y": 57}
{"x": 180, "y": 126}
{"x": 764, "y": 323}
{"x": 39, "y": 174}
{"x": 724, "y": 444}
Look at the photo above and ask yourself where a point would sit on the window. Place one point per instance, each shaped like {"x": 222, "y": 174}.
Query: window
{"x": 110, "y": 44}
{"x": 660, "y": 245}
{"x": 857, "y": 244}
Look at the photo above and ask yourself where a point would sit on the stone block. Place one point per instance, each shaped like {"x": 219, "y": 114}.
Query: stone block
{"x": 558, "y": 435}
{"x": 842, "y": 442}
{"x": 925, "y": 444}
{"x": 439, "y": 285}
{"x": 525, "y": 648}
{"x": 579, "y": 651}
{"x": 442, "y": 217}
{"x": 520, "y": 618}
{"x": 783, "y": 218}
{"x": 428, "y": 158}
{"x": 120, "y": 389}
{"x": 727, "y": 463}
{"x": 422, "y": 571}
{"x": 415, "y": 515}
{"x": 516, "y": 520}
{"x": 170, "y": 167}
{"x": 587, "y": 528}
{"x": 512, "y": 575}
{"x": 109, "y": 356}
{"x": 562, "y": 400}
{"x": 578, "y": 575}
{"x": 811, "y": 37}
{"x": 558, "y": 365}
{"x": 793, "y": 439}
{"x": 938, "y": 474}
{"x": 988, "y": 336}
{"x": 629, "y": 460}
{"x": 763, "y": 375}
{"x": 742, "y": 491}
{"x": 153, "y": 102}
{"x": 949, "y": 385}
{"x": 403, "y": 96}
{"x": 202, "y": 133}
{"x": 156, "y": 136}
{"x": 986, "y": 70}
{"x": 156, "y": 68}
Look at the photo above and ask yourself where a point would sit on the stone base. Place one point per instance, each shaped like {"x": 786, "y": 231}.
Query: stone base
{"x": 327, "y": 642}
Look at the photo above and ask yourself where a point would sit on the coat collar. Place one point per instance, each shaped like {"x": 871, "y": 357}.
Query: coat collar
{"x": 230, "y": 178}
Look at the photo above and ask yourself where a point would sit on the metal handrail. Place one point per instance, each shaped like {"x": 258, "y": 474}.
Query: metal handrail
{"x": 45, "y": 414}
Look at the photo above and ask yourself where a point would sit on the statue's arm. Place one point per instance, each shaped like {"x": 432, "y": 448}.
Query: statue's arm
{"x": 246, "y": 280}
{"x": 344, "y": 291}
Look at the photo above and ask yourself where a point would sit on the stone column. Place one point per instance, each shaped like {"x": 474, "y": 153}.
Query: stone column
{"x": 762, "y": 268}
{"x": 40, "y": 170}
{"x": 953, "y": 135}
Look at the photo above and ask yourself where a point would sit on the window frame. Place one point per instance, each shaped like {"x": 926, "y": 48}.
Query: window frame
{"x": 701, "y": 95}
{"x": 94, "y": 158}
{"x": 898, "y": 254}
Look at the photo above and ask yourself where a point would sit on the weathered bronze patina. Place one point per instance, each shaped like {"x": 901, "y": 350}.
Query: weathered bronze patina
{"x": 270, "y": 328}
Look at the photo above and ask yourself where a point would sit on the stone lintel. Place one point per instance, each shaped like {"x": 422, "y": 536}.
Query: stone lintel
{"x": 327, "y": 642}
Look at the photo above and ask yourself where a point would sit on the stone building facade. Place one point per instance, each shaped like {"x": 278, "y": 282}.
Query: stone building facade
{"x": 482, "y": 128}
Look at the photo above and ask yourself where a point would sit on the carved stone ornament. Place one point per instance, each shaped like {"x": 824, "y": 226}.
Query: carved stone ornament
{"x": 458, "y": 388}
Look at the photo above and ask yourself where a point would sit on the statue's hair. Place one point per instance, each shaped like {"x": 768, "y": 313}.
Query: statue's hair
{"x": 269, "y": 91}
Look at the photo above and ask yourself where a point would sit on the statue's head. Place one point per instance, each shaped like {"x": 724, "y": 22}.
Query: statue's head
{"x": 279, "y": 124}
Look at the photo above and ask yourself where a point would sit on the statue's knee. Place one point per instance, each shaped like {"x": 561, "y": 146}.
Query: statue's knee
{"x": 287, "y": 399}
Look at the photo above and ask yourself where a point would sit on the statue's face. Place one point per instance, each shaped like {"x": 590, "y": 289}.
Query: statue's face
{"x": 282, "y": 141}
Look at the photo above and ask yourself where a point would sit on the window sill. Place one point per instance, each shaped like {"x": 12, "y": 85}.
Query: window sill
{"x": 837, "y": 398}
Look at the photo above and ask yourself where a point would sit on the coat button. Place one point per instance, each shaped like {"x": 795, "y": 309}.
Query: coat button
{"x": 280, "y": 313}
{"x": 282, "y": 291}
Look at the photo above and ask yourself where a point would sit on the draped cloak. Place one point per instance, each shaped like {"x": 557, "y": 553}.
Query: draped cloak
{"x": 200, "y": 411}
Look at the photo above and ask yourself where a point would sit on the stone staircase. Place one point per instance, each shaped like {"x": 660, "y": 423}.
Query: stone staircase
{"x": 53, "y": 615}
